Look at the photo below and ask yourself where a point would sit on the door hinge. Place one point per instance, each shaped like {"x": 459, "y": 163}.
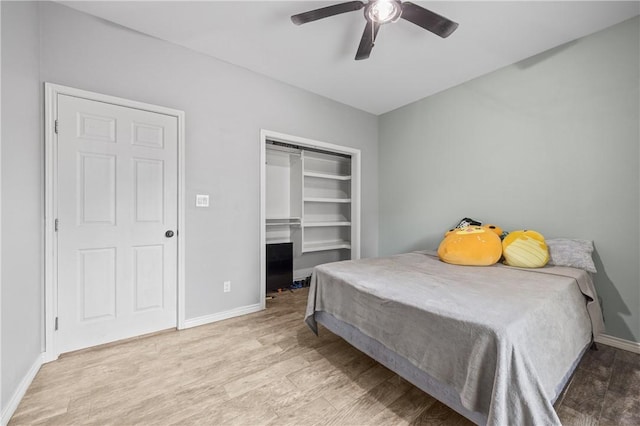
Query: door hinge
{"x": 55, "y": 126}
{"x": 55, "y": 225}
{"x": 56, "y": 324}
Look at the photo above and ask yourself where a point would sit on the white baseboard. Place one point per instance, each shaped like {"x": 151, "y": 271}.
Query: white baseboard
{"x": 17, "y": 396}
{"x": 301, "y": 274}
{"x": 207, "y": 319}
{"x": 616, "y": 342}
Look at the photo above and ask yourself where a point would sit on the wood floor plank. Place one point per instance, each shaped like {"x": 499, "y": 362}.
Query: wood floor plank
{"x": 405, "y": 409}
{"x": 257, "y": 379}
{"x": 372, "y": 403}
{"x": 440, "y": 414}
{"x": 313, "y": 412}
{"x": 570, "y": 417}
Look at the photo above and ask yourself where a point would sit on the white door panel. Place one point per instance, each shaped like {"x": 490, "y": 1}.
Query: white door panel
{"x": 117, "y": 196}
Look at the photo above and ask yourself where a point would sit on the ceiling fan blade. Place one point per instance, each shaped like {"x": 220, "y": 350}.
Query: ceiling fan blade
{"x": 325, "y": 12}
{"x": 368, "y": 38}
{"x": 430, "y": 21}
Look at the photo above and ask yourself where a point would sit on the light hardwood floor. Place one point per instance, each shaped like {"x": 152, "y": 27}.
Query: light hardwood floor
{"x": 269, "y": 369}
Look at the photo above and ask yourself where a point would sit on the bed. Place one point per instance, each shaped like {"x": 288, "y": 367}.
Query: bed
{"x": 497, "y": 344}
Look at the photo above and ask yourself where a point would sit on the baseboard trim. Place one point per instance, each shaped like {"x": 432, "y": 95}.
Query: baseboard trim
{"x": 12, "y": 406}
{"x": 619, "y": 343}
{"x": 208, "y": 319}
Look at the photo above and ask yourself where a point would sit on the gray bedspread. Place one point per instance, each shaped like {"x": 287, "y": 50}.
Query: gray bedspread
{"x": 503, "y": 338}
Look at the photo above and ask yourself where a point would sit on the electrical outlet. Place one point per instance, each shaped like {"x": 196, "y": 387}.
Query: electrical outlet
{"x": 227, "y": 286}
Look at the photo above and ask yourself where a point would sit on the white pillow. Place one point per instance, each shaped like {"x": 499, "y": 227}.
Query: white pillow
{"x": 570, "y": 252}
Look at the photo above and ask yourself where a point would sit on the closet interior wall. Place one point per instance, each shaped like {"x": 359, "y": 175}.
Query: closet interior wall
{"x": 308, "y": 203}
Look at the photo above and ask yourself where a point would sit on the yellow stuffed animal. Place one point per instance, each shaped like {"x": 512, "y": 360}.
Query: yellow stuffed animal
{"x": 525, "y": 249}
{"x": 471, "y": 245}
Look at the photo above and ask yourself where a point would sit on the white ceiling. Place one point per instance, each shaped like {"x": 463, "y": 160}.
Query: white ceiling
{"x": 407, "y": 62}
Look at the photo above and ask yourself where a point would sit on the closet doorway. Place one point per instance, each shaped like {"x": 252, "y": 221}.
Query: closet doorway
{"x": 309, "y": 204}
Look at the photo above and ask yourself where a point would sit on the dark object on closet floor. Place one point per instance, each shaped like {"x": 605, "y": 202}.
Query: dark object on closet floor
{"x": 279, "y": 266}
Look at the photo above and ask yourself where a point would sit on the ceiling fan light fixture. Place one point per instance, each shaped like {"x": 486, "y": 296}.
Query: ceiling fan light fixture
{"x": 383, "y": 11}
{"x": 378, "y": 12}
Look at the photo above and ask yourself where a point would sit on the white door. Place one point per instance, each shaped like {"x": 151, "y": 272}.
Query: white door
{"x": 117, "y": 207}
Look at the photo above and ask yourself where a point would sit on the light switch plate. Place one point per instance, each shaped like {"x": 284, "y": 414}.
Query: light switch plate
{"x": 202, "y": 200}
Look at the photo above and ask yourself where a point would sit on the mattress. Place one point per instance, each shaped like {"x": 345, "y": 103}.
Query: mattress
{"x": 495, "y": 343}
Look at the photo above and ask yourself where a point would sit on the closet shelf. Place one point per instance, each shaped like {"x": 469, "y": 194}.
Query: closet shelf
{"x": 326, "y": 176}
{"x": 325, "y": 245}
{"x": 308, "y": 201}
{"x": 326, "y": 200}
{"x": 319, "y": 224}
{"x": 283, "y": 221}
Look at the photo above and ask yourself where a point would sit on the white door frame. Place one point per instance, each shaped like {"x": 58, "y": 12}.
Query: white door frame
{"x": 52, "y": 91}
{"x": 355, "y": 194}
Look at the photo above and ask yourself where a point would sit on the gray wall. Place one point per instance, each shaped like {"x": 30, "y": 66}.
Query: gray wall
{"x": 22, "y": 205}
{"x": 550, "y": 144}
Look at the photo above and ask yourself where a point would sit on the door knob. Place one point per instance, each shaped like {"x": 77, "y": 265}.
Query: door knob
{"x": 168, "y": 234}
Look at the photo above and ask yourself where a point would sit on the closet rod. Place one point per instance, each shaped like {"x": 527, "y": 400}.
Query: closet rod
{"x": 286, "y": 149}
{"x": 306, "y": 148}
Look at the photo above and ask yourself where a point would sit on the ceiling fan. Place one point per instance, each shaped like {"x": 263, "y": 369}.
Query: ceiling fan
{"x": 378, "y": 12}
